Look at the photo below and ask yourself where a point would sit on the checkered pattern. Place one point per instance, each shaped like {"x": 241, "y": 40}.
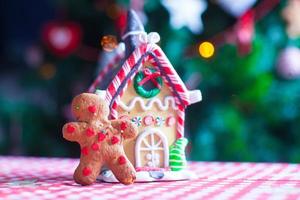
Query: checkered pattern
{"x": 51, "y": 178}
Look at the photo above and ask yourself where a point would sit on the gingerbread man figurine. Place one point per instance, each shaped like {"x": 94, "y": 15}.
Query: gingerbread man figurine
{"x": 100, "y": 140}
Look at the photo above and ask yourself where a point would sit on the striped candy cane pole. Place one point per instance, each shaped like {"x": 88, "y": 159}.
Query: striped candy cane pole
{"x": 180, "y": 122}
{"x": 119, "y": 79}
{"x": 171, "y": 74}
{"x": 103, "y": 72}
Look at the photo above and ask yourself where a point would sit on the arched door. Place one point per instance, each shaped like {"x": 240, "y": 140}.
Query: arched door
{"x": 152, "y": 149}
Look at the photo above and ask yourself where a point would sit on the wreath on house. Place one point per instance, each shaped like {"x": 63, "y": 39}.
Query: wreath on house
{"x": 142, "y": 80}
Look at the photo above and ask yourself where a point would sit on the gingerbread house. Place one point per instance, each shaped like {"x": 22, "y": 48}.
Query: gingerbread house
{"x": 147, "y": 90}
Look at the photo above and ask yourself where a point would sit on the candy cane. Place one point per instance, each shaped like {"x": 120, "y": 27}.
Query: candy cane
{"x": 180, "y": 122}
{"x": 103, "y": 72}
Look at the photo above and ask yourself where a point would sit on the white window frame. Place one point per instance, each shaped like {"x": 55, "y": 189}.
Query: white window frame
{"x": 139, "y": 141}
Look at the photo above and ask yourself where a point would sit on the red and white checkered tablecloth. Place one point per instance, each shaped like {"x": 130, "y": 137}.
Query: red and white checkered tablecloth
{"x": 51, "y": 178}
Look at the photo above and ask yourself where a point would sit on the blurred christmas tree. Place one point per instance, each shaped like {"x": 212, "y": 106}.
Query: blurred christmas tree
{"x": 251, "y": 85}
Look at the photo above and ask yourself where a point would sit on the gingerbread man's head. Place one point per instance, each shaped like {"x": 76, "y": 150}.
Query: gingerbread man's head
{"x": 89, "y": 107}
{"x": 100, "y": 139}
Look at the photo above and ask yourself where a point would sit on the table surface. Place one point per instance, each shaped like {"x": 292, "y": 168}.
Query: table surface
{"x": 51, "y": 178}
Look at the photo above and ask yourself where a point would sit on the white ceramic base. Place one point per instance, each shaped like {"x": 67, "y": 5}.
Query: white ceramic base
{"x": 151, "y": 176}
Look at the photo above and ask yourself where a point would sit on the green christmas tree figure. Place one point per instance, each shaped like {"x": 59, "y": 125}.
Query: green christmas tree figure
{"x": 177, "y": 155}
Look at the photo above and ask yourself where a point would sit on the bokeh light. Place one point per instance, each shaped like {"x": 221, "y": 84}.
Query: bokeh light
{"x": 109, "y": 43}
{"x": 206, "y": 49}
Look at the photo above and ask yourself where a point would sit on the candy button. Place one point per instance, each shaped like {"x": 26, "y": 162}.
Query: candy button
{"x": 150, "y": 164}
{"x": 156, "y": 174}
{"x": 171, "y": 121}
{"x": 159, "y": 121}
{"x": 148, "y": 120}
{"x": 148, "y": 156}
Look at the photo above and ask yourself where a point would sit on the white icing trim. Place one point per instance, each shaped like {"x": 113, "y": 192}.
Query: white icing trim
{"x": 168, "y": 100}
{"x": 152, "y": 37}
{"x": 101, "y": 93}
{"x": 143, "y": 176}
{"x": 195, "y": 96}
{"x": 152, "y": 148}
{"x": 177, "y": 161}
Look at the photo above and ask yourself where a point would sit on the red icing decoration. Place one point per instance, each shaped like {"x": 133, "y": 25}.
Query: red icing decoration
{"x": 86, "y": 171}
{"x": 123, "y": 126}
{"x": 121, "y": 160}
{"x": 149, "y": 75}
{"x": 92, "y": 109}
{"x": 114, "y": 140}
{"x": 85, "y": 151}
{"x": 90, "y": 132}
{"x": 70, "y": 128}
{"x": 148, "y": 120}
{"x": 101, "y": 136}
{"x": 95, "y": 147}
{"x": 171, "y": 121}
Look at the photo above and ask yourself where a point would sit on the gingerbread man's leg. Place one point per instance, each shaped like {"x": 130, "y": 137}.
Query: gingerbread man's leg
{"x": 88, "y": 169}
{"x": 121, "y": 167}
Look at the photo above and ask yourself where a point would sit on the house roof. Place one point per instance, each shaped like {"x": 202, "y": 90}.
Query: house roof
{"x": 152, "y": 53}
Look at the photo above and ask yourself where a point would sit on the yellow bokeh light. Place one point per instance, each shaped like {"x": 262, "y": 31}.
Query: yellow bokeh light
{"x": 206, "y": 49}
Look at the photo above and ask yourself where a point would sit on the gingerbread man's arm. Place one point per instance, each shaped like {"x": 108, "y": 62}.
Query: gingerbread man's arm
{"x": 73, "y": 131}
{"x": 127, "y": 128}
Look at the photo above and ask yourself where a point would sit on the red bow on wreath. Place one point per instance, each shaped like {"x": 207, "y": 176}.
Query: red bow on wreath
{"x": 149, "y": 75}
